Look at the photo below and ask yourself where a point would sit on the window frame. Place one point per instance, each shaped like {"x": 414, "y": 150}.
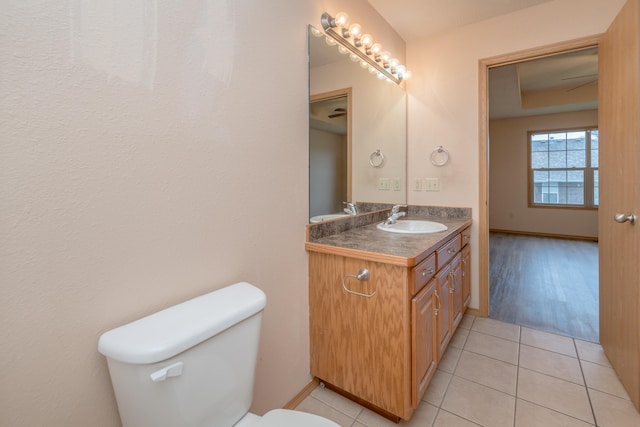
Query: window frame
{"x": 588, "y": 174}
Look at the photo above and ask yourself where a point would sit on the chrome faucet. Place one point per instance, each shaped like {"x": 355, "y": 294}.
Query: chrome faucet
{"x": 395, "y": 214}
{"x": 350, "y": 208}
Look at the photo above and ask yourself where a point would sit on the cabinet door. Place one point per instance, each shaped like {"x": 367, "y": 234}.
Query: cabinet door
{"x": 442, "y": 297}
{"x": 423, "y": 340}
{"x": 455, "y": 292}
{"x": 358, "y": 344}
{"x": 466, "y": 276}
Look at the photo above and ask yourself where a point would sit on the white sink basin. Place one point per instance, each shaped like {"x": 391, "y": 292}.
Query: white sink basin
{"x": 413, "y": 226}
{"x": 327, "y": 217}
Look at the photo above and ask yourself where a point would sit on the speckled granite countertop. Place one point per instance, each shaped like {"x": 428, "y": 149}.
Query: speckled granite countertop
{"x": 361, "y": 239}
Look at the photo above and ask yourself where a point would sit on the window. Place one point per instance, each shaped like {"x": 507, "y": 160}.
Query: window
{"x": 563, "y": 168}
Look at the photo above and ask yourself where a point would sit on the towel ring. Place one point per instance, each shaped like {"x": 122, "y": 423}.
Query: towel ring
{"x": 376, "y": 159}
{"x": 439, "y": 156}
{"x": 363, "y": 275}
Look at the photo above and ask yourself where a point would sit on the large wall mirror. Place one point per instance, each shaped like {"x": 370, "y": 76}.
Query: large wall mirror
{"x": 353, "y": 116}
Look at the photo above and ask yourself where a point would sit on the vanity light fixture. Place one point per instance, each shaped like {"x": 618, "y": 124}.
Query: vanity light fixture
{"x": 351, "y": 40}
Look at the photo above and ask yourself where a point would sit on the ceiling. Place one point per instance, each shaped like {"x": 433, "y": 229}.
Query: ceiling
{"x": 555, "y": 84}
{"x": 559, "y": 83}
{"x": 416, "y": 19}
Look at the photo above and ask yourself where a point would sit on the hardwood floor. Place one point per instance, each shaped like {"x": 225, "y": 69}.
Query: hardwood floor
{"x": 545, "y": 283}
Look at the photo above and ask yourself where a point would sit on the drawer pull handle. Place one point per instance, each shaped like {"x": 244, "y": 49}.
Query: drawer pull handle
{"x": 428, "y": 270}
{"x": 363, "y": 275}
{"x": 438, "y": 304}
{"x": 451, "y": 251}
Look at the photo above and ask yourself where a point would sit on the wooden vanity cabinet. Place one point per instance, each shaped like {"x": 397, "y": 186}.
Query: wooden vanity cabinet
{"x": 362, "y": 345}
{"x": 379, "y": 341}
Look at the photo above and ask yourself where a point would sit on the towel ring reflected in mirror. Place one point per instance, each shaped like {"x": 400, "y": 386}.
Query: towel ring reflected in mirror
{"x": 376, "y": 159}
{"x": 439, "y": 156}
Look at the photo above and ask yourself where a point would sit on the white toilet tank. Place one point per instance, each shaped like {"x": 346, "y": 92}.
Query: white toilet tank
{"x": 189, "y": 365}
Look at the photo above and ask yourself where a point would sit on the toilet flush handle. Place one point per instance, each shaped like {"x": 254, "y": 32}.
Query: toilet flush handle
{"x": 173, "y": 370}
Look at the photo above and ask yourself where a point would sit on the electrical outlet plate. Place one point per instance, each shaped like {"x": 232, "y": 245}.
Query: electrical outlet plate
{"x": 397, "y": 185}
{"x": 417, "y": 185}
{"x": 431, "y": 184}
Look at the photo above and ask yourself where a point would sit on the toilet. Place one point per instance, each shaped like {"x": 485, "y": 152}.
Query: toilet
{"x": 193, "y": 364}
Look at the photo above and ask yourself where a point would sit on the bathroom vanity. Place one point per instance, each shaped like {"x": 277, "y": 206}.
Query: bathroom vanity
{"x": 378, "y": 337}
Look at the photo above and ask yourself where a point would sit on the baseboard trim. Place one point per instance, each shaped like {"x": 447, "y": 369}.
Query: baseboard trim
{"x": 532, "y": 233}
{"x": 298, "y": 398}
{"x": 473, "y": 311}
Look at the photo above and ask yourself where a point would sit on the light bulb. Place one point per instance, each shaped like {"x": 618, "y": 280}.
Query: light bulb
{"x": 316, "y": 32}
{"x": 385, "y": 56}
{"x": 343, "y": 50}
{"x": 354, "y": 57}
{"x": 342, "y": 19}
{"x": 380, "y": 76}
{"x": 372, "y": 70}
{"x": 407, "y": 74}
{"x": 355, "y": 30}
{"x": 393, "y": 62}
{"x": 366, "y": 40}
{"x": 364, "y": 64}
{"x": 330, "y": 41}
{"x": 401, "y": 70}
{"x": 376, "y": 48}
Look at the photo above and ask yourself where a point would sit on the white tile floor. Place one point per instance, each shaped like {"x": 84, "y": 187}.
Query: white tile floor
{"x": 496, "y": 374}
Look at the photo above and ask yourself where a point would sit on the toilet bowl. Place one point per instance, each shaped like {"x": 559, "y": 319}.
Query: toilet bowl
{"x": 193, "y": 365}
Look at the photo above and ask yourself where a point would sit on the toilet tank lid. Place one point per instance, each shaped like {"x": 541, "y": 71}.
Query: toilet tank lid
{"x": 171, "y": 331}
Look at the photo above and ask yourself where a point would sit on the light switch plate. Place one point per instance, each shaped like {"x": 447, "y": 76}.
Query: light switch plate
{"x": 431, "y": 184}
{"x": 384, "y": 184}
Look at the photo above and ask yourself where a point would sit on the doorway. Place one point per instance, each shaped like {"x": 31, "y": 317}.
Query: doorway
{"x": 329, "y": 152}
{"x": 484, "y": 212}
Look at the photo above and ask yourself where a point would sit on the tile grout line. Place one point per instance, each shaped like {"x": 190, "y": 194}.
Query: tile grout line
{"x": 355, "y": 419}
{"x": 586, "y": 386}
{"x": 515, "y": 403}
{"x": 444, "y": 395}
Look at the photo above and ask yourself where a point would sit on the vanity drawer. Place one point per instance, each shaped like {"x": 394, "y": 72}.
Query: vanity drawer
{"x": 422, "y": 273}
{"x": 449, "y": 250}
{"x": 466, "y": 236}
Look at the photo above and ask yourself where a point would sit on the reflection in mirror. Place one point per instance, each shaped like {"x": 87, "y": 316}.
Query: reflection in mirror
{"x": 330, "y": 148}
{"x": 374, "y": 118}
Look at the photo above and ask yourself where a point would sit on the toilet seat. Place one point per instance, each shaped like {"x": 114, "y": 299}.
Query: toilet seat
{"x": 288, "y": 418}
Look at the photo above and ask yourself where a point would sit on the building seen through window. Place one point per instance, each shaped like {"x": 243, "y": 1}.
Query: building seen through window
{"x": 563, "y": 168}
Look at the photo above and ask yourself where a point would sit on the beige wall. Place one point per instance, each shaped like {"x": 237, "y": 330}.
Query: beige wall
{"x": 142, "y": 144}
{"x": 508, "y": 207}
{"x": 443, "y": 93}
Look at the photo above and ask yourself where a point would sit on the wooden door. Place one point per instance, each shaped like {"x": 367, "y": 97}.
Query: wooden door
{"x": 443, "y": 325}
{"x": 424, "y": 341}
{"x": 466, "y": 276}
{"x": 455, "y": 281}
{"x": 362, "y": 345}
{"x": 619, "y": 194}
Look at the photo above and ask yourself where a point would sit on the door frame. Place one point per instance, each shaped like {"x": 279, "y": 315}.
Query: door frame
{"x": 339, "y": 93}
{"x": 483, "y": 143}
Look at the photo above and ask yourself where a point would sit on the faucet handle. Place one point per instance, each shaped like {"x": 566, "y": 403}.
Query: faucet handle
{"x": 396, "y": 208}
{"x": 350, "y": 208}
